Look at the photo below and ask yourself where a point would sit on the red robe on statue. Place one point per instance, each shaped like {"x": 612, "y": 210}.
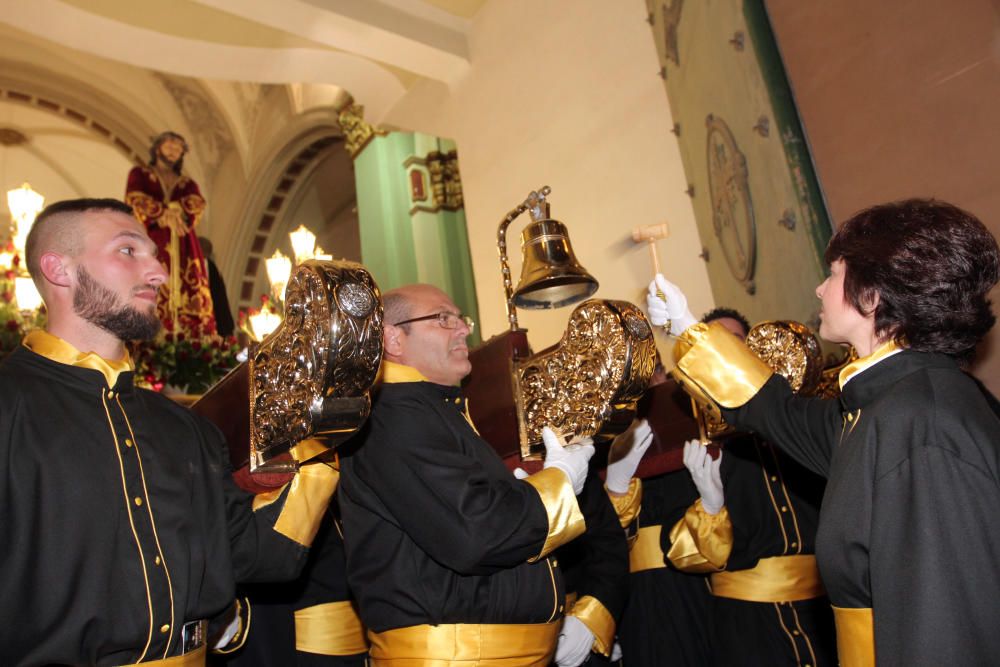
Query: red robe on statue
{"x": 186, "y": 304}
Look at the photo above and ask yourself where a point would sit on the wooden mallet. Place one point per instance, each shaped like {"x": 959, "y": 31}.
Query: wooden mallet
{"x": 650, "y": 234}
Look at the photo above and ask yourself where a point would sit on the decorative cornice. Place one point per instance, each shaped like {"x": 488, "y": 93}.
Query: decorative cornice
{"x": 357, "y": 132}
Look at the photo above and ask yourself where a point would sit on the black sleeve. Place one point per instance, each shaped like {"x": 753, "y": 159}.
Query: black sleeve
{"x": 470, "y": 517}
{"x": 806, "y": 428}
{"x": 596, "y": 563}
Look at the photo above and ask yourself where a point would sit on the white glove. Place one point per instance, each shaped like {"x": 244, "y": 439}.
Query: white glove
{"x": 626, "y": 452}
{"x": 571, "y": 459}
{"x": 575, "y": 642}
{"x": 672, "y": 312}
{"x": 521, "y": 473}
{"x": 705, "y": 473}
{"x": 616, "y": 652}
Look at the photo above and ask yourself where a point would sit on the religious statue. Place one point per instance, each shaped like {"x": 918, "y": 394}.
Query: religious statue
{"x": 170, "y": 205}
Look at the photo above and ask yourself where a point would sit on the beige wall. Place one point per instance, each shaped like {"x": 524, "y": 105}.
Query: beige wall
{"x": 899, "y": 99}
{"x": 566, "y": 95}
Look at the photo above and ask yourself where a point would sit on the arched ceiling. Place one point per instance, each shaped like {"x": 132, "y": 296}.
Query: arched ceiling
{"x": 374, "y": 49}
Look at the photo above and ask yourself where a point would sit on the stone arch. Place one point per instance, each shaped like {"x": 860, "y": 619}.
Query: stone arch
{"x": 262, "y": 225}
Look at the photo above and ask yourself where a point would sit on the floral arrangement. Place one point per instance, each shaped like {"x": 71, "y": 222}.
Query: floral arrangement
{"x": 13, "y": 323}
{"x": 187, "y": 362}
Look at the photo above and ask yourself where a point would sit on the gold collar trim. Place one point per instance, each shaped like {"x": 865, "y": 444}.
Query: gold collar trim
{"x": 393, "y": 373}
{"x": 55, "y": 348}
{"x": 857, "y": 366}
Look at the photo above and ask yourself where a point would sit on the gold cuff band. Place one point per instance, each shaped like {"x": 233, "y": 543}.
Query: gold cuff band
{"x": 627, "y": 506}
{"x": 306, "y": 503}
{"x": 646, "y": 552}
{"x": 701, "y": 542}
{"x": 855, "y": 636}
{"x": 524, "y": 645}
{"x": 778, "y": 579}
{"x": 565, "y": 518}
{"x": 598, "y": 620}
{"x": 330, "y": 629}
{"x": 719, "y": 364}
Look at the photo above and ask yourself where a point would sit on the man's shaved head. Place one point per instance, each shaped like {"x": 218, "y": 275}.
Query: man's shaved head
{"x": 56, "y": 229}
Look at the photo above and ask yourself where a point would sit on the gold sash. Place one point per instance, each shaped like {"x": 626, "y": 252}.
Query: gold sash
{"x": 778, "y": 579}
{"x": 195, "y": 658}
{"x": 645, "y": 553}
{"x": 330, "y": 629}
{"x": 499, "y": 645}
{"x": 855, "y": 636}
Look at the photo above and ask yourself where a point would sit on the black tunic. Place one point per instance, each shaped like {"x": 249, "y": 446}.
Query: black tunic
{"x": 910, "y": 525}
{"x": 437, "y": 529}
{"x": 120, "y": 520}
{"x": 666, "y": 619}
{"x": 773, "y": 505}
{"x": 595, "y": 564}
{"x": 272, "y": 639}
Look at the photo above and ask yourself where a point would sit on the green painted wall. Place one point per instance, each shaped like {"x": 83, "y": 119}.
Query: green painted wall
{"x": 400, "y": 243}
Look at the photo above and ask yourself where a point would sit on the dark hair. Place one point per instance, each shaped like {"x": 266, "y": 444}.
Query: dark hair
{"x": 59, "y": 217}
{"x": 931, "y": 265}
{"x": 158, "y": 140}
{"x": 731, "y": 313}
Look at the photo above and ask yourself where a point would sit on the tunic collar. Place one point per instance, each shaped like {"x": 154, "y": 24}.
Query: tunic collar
{"x": 55, "y": 348}
{"x": 393, "y": 373}
{"x": 881, "y": 353}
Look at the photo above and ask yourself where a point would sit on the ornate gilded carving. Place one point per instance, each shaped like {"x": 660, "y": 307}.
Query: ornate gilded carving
{"x": 357, "y": 132}
{"x": 791, "y": 350}
{"x": 588, "y": 383}
{"x": 446, "y": 181}
{"x": 311, "y": 377}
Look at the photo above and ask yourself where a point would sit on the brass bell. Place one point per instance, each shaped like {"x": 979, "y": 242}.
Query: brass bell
{"x": 550, "y": 275}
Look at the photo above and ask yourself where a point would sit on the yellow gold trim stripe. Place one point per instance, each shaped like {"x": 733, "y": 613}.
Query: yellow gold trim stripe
{"x": 152, "y": 521}
{"x": 855, "y": 636}
{"x": 646, "y": 552}
{"x": 131, "y": 521}
{"x": 720, "y": 364}
{"x": 598, "y": 620}
{"x": 524, "y": 645}
{"x": 881, "y": 353}
{"x": 330, "y": 629}
{"x": 778, "y": 579}
{"x": 306, "y": 502}
{"x": 627, "y": 507}
{"x": 55, "y": 348}
{"x": 565, "y": 518}
{"x": 393, "y": 373}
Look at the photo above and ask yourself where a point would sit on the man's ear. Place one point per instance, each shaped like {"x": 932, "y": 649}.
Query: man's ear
{"x": 392, "y": 343}
{"x": 54, "y": 268}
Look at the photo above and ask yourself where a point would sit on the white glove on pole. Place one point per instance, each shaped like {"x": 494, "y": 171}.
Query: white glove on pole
{"x": 705, "y": 473}
{"x": 575, "y": 642}
{"x": 667, "y": 306}
{"x": 626, "y": 452}
{"x": 571, "y": 459}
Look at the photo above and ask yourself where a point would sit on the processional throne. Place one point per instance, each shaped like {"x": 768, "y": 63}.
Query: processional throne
{"x": 306, "y": 388}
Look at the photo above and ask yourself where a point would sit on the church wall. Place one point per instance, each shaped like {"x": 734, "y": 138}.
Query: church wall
{"x": 565, "y": 95}
{"x": 899, "y": 100}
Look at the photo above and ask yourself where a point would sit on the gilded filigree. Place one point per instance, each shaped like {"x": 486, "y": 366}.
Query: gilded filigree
{"x": 311, "y": 377}
{"x": 589, "y": 383}
{"x": 357, "y": 132}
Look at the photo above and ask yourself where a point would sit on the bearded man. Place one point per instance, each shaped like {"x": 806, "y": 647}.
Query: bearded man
{"x": 122, "y": 531}
{"x": 170, "y": 205}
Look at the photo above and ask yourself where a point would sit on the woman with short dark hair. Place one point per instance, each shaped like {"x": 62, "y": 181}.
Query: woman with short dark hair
{"x": 909, "y": 532}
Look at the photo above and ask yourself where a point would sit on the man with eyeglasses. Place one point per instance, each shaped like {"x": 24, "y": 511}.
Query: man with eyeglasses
{"x": 446, "y": 549}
